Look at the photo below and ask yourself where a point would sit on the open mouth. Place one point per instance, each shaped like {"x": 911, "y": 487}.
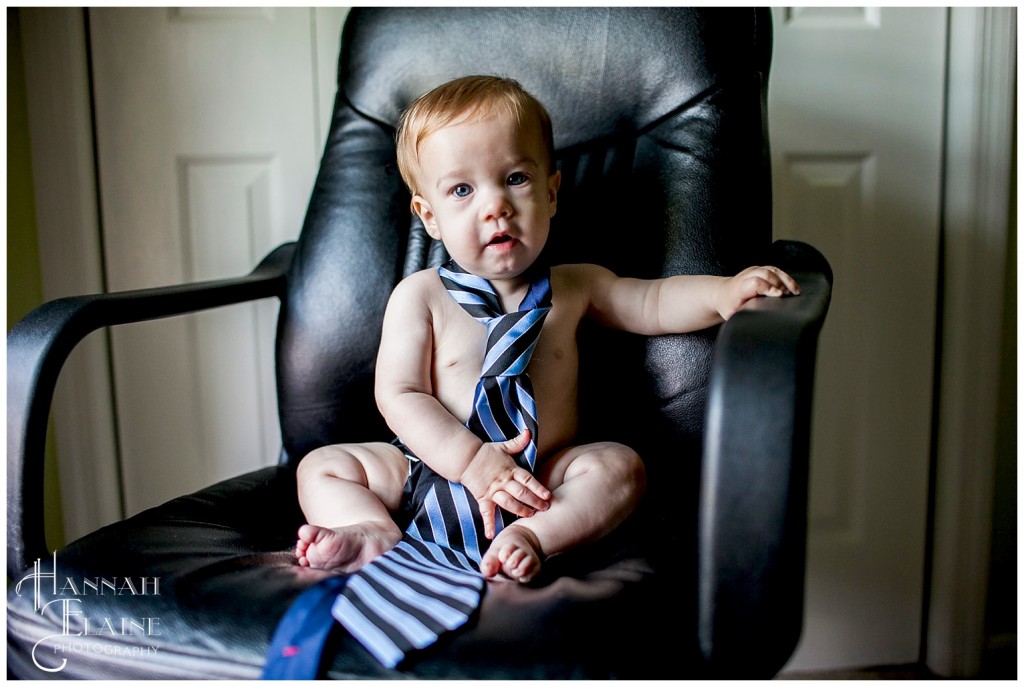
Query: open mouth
{"x": 499, "y": 239}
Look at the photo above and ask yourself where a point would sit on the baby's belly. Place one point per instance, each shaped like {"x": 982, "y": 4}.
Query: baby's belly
{"x": 559, "y": 419}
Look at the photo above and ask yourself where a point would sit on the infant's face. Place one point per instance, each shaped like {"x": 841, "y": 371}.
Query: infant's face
{"x": 486, "y": 193}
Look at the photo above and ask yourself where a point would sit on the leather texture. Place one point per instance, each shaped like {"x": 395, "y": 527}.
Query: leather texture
{"x": 660, "y": 132}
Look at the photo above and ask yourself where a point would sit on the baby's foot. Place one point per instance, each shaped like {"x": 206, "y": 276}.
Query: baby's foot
{"x": 515, "y": 552}
{"x": 344, "y": 549}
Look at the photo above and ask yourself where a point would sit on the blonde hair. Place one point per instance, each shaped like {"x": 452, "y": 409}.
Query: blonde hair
{"x": 469, "y": 95}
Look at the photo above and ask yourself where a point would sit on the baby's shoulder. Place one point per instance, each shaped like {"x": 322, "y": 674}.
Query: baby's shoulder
{"x": 577, "y": 277}
{"x": 422, "y": 280}
{"x": 419, "y": 288}
{"x": 572, "y": 286}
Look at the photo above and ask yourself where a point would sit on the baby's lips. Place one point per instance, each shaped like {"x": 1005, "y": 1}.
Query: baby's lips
{"x": 501, "y": 237}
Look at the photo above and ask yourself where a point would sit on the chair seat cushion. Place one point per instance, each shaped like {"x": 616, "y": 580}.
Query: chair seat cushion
{"x": 194, "y": 589}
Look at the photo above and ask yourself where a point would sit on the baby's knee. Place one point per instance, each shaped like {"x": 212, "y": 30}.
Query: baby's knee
{"x": 622, "y": 466}
{"x": 334, "y": 461}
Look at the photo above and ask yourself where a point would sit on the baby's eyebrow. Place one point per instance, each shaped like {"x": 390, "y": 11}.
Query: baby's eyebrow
{"x": 449, "y": 178}
{"x": 526, "y": 160}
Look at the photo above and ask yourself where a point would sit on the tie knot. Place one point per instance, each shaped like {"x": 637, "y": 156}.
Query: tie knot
{"x": 511, "y": 337}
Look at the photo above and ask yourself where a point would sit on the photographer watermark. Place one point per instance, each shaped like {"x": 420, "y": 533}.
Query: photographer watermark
{"x": 67, "y": 603}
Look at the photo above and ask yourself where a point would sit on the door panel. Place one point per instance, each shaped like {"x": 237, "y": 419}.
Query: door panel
{"x": 209, "y": 131}
{"x": 855, "y": 110}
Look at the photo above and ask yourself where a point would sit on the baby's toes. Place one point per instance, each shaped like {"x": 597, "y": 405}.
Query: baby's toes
{"x": 526, "y": 571}
{"x": 510, "y": 559}
{"x": 489, "y": 565}
{"x": 521, "y": 565}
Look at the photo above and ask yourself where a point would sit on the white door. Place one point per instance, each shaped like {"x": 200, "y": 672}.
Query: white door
{"x": 209, "y": 128}
{"x": 855, "y": 114}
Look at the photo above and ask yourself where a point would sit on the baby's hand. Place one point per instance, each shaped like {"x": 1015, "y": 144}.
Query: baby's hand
{"x": 494, "y": 479}
{"x": 753, "y": 282}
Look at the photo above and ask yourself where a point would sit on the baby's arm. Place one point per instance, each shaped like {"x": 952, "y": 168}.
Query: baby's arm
{"x": 675, "y": 305}
{"x": 404, "y": 393}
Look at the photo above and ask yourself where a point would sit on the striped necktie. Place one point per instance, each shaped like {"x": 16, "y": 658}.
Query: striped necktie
{"x": 430, "y": 582}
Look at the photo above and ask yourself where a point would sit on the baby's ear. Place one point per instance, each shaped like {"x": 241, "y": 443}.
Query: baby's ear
{"x": 554, "y": 182}
{"x": 422, "y": 208}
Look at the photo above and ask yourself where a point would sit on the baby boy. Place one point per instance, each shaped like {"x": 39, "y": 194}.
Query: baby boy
{"x": 477, "y": 156}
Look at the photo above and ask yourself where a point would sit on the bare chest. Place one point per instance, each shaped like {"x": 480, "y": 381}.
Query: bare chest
{"x": 459, "y": 349}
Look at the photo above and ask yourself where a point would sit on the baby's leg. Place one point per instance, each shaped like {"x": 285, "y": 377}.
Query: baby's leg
{"x": 347, "y": 493}
{"x": 593, "y": 489}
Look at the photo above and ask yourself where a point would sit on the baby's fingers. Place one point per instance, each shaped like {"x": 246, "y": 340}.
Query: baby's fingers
{"x": 786, "y": 280}
{"x": 771, "y": 281}
{"x": 532, "y": 494}
{"x": 514, "y": 505}
{"x": 517, "y": 443}
{"x": 527, "y": 480}
{"x": 769, "y": 288}
{"x": 524, "y": 496}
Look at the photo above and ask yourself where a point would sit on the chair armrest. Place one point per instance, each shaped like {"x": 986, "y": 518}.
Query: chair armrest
{"x": 753, "y": 500}
{"x": 38, "y": 346}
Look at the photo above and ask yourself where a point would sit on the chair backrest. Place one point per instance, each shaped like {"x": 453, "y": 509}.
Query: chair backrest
{"x": 659, "y": 125}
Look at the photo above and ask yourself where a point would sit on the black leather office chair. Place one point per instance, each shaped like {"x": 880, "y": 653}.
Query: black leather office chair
{"x": 660, "y": 129}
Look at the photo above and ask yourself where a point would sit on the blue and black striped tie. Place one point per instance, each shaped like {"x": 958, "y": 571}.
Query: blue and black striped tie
{"x": 430, "y": 582}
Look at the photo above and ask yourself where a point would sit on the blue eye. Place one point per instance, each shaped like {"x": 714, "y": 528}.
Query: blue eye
{"x": 461, "y": 190}
{"x": 517, "y": 179}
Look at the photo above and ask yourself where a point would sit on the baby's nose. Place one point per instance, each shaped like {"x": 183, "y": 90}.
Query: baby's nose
{"x": 496, "y": 206}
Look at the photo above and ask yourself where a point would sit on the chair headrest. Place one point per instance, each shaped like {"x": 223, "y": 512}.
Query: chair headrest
{"x": 651, "y": 64}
